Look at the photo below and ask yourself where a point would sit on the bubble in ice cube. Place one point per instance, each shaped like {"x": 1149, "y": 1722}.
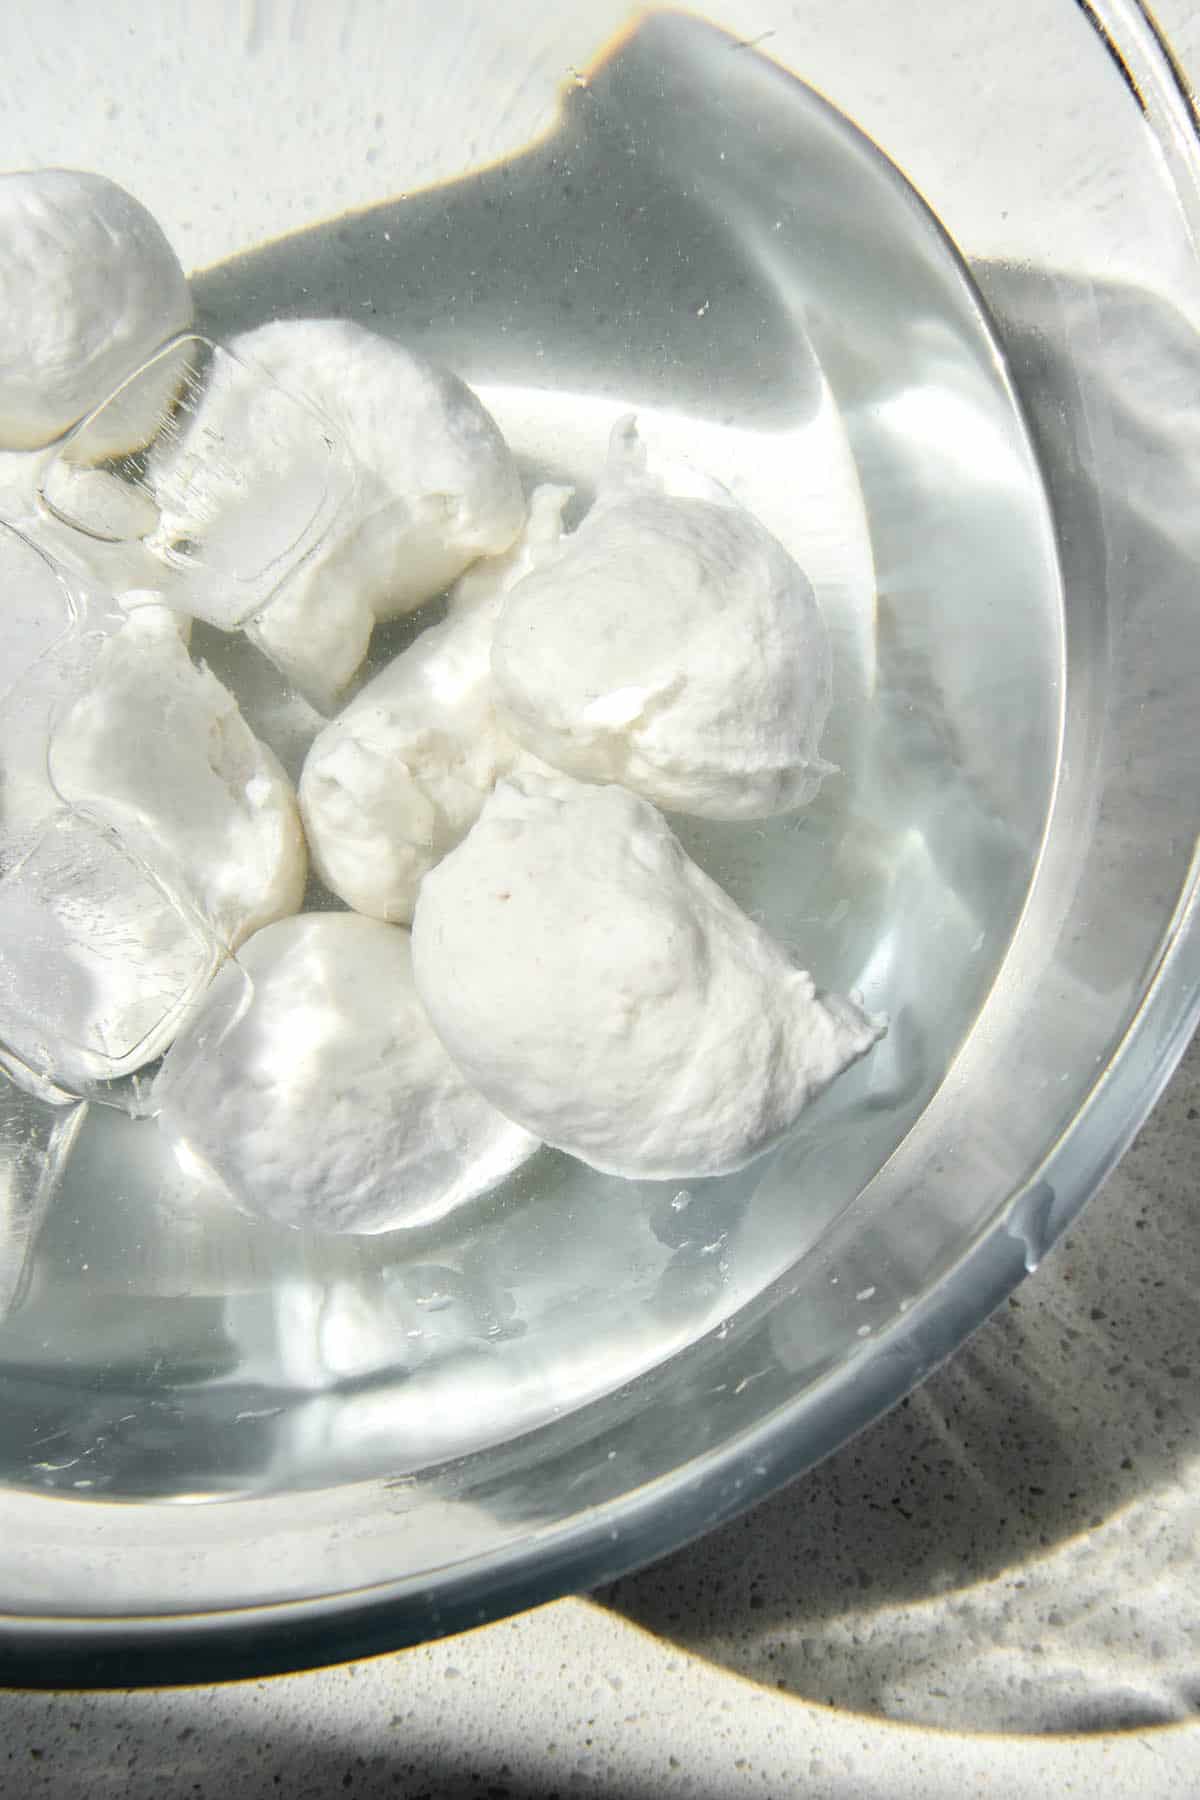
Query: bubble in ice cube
{"x": 235, "y": 485}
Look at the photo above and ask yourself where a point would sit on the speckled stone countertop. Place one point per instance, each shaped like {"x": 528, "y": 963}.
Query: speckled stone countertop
{"x": 995, "y": 1590}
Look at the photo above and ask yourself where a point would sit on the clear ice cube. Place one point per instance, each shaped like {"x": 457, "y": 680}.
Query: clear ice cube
{"x": 50, "y": 632}
{"x": 236, "y": 483}
{"x": 99, "y": 963}
{"x": 100, "y": 959}
{"x": 35, "y": 1142}
{"x": 37, "y": 608}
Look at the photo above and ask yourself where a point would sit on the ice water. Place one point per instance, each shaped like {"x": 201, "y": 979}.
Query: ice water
{"x": 702, "y": 241}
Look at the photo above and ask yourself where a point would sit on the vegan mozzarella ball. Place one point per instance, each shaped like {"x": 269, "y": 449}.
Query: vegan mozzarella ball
{"x": 312, "y": 1084}
{"x": 599, "y": 988}
{"x": 89, "y": 289}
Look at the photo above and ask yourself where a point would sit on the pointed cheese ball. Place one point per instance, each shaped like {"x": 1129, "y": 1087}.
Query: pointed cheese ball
{"x": 600, "y": 989}
{"x": 157, "y": 748}
{"x": 674, "y": 646}
{"x": 89, "y": 288}
{"x": 437, "y": 488}
{"x": 400, "y": 776}
{"x": 313, "y": 1086}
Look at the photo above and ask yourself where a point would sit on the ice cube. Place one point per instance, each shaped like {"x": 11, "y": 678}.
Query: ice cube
{"x": 48, "y": 630}
{"x": 36, "y": 605}
{"x": 99, "y": 963}
{"x": 235, "y": 486}
{"x": 101, "y": 954}
{"x": 152, "y": 746}
{"x": 35, "y": 1141}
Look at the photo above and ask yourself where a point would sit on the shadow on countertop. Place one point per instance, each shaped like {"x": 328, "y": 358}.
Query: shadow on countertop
{"x": 110, "y": 1745}
{"x": 1013, "y": 1548}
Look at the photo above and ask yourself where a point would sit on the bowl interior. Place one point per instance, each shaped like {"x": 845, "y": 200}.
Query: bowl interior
{"x": 846, "y": 386}
{"x": 663, "y": 221}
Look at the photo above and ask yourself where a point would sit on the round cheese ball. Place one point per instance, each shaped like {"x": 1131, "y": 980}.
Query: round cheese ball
{"x": 89, "y": 288}
{"x": 400, "y": 775}
{"x": 317, "y": 1092}
{"x": 436, "y": 488}
{"x": 600, "y": 989}
{"x": 674, "y": 646}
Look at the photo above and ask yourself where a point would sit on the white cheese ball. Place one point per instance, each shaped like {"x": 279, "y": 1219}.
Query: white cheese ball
{"x": 388, "y": 788}
{"x": 437, "y": 488}
{"x": 320, "y": 1096}
{"x": 157, "y": 748}
{"x": 600, "y": 989}
{"x": 89, "y": 288}
{"x": 674, "y": 646}
{"x": 400, "y": 776}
